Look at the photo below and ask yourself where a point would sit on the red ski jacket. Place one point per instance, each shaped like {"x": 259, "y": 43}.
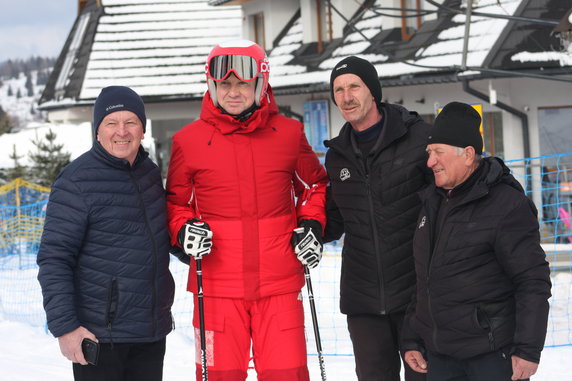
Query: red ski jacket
{"x": 252, "y": 182}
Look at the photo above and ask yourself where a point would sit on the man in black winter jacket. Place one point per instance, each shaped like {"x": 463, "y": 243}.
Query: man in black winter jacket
{"x": 104, "y": 254}
{"x": 376, "y": 166}
{"x": 481, "y": 307}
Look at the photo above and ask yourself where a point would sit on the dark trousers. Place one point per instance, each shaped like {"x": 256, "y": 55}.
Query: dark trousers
{"x": 493, "y": 366}
{"x": 125, "y": 362}
{"x": 375, "y": 340}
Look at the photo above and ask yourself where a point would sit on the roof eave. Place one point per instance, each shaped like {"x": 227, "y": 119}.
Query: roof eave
{"x": 214, "y": 3}
{"x": 54, "y": 106}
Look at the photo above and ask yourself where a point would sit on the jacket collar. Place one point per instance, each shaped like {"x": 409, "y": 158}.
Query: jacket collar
{"x": 492, "y": 171}
{"x": 116, "y": 162}
{"x": 396, "y": 122}
{"x": 226, "y": 124}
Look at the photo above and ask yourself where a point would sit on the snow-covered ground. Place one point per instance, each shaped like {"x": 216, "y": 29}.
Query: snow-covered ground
{"x": 76, "y": 140}
{"x": 31, "y": 353}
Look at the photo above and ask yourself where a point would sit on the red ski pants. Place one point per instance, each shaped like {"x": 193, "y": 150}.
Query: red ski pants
{"x": 275, "y": 327}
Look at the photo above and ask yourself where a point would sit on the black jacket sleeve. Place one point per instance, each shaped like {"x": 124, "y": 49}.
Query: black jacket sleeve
{"x": 517, "y": 246}
{"x": 334, "y": 221}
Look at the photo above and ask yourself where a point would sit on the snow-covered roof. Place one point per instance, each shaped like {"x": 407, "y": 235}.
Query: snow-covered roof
{"x": 443, "y": 52}
{"x": 157, "y": 47}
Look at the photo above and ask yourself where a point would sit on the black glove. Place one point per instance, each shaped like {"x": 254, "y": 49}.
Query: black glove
{"x": 195, "y": 237}
{"x": 307, "y": 242}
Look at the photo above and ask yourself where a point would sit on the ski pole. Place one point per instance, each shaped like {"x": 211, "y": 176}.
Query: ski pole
{"x": 204, "y": 372}
{"x": 315, "y": 322}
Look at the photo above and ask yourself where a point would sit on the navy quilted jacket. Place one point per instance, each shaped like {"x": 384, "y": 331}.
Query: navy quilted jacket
{"x": 104, "y": 255}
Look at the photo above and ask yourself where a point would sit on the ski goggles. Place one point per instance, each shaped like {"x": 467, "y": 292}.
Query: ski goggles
{"x": 244, "y": 67}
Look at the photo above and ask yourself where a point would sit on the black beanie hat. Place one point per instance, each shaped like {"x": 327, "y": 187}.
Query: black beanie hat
{"x": 363, "y": 69}
{"x": 117, "y": 98}
{"x": 458, "y": 125}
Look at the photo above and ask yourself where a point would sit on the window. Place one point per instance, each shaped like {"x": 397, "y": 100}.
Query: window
{"x": 555, "y": 130}
{"x": 410, "y": 22}
{"x": 258, "y": 29}
{"x": 72, "y": 52}
{"x": 492, "y": 134}
{"x": 324, "y": 31}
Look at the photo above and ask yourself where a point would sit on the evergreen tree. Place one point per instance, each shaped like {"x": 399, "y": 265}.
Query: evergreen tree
{"x": 29, "y": 85}
{"x": 6, "y": 125}
{"x": 13, "y": 69}
{"x": 42, "y": 77}
{"x": 18, "y": 94}
{"x": 10, "y": 91}
{"x": 48, "y": 160}
{"x": 3, "y": 176}
{"x": 18, "y": 170}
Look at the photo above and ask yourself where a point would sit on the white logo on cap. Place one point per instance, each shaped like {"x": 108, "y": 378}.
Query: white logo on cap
{"x": 114, "y": 106}
{"x": 342, "y": 67}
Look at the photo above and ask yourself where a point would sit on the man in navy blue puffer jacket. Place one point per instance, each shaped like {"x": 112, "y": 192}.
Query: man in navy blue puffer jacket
{"x": 104, "y": 255}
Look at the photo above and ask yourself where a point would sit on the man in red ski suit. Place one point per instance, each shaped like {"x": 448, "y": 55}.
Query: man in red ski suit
{"x": 241, "y": 179}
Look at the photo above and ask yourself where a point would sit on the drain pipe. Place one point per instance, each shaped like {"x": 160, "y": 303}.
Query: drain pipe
{"x": 523, "y": 117}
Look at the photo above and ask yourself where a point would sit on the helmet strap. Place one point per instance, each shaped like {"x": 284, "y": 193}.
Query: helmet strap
{"x": 212, "y": 91}
{"x": 258, "y": 90}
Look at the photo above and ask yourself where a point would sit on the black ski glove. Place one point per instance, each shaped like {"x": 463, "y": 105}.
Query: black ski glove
{"x": 307, "y": 242}
{"x": 195, "y": 237}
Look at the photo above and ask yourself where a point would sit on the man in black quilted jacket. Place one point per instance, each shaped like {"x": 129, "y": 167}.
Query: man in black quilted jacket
{"x": 481, "y": 307}
{"x": 104, "y": 254}
{"x": 376, "y": 166}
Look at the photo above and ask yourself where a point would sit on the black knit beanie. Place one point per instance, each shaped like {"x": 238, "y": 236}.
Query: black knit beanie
{"x": 117, "y": 98}
{"x": 458, "y": 125}
{"x": 363, "y": 69}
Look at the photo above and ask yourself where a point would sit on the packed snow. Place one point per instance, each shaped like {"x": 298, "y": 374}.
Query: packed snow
{"x": 31, "y": 353}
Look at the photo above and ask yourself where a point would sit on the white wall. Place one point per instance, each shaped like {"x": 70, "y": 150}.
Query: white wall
{"x": 157, "y": 111}
{"x": 174, "y": 110}
{"x": 73, "y": 115}
{"x": 276, "y": 16}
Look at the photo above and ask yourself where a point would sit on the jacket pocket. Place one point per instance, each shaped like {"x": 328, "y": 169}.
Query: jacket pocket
{"x": 290, "y": 319}
{"x": 484, "y": 322}
{"x": 112, "y": 302}
{"x": 214, "y": 323}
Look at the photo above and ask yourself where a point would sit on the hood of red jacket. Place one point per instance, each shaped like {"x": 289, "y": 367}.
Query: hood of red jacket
{"x": 226, "y": 124}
